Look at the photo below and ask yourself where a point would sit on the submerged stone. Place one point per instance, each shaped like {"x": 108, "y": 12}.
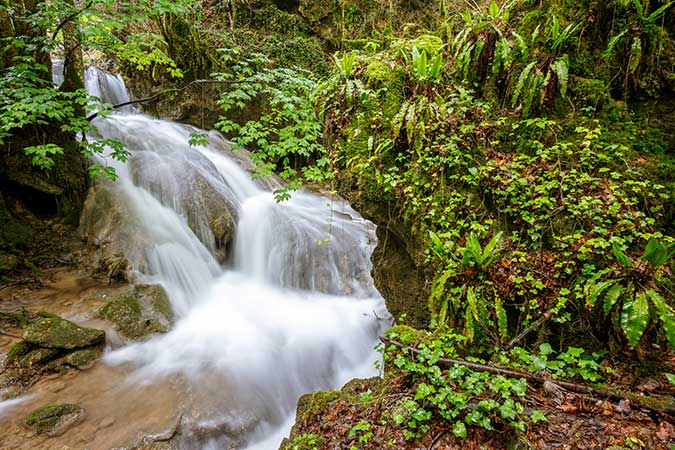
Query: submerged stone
{"x": 54, "y": 332}
{"x": 143, "y": 312}
{"x": 54, "y": 420}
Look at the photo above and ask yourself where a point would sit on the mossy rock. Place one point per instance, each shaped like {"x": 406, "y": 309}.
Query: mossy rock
{"x": 80, "y": 359}
{"x": 314, "y": 10}
{"x": 316, "y": 401}
{"x": 54, "y": 332}
{"x": 145, "y": 311}
{"x": 38, "y": 357}
{"x": 18, "y": 350}
{"x": 54, "y": 420}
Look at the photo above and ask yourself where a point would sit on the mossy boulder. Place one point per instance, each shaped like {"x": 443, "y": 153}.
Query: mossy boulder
{"x": 38, "y": 357}
{"x": 58, "y": 333}
{"x": 142, "y": 312}
{"x": 314, "y": 11}
{"x": 54, "y": 420}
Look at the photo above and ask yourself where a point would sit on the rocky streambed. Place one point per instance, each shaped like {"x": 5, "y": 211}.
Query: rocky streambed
{"x": 55, "y": 393}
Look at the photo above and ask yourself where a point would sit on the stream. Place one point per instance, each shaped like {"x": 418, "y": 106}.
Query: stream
{"x": 291, "y": 307}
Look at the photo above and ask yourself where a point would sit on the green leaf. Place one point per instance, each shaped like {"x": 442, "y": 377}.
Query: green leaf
{"x": 459, "y": 429}
{"x": 537, "y": 416}
{"x": 611, "y": 297}
{"x": 609, "y": 51}
{"x": 671, "y": 378}
{"x": 561, "y": 69}
{"x": 596, "y": 290}
{"x": 620, "y": 256}
{"x": 656, "y": 253}
{"x": 635, "y": 317}
{"x": 656, "y": 14}
{"x": 666, "y": 315}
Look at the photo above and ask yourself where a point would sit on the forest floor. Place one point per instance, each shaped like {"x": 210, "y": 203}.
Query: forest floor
{"x": 573, "y": 421}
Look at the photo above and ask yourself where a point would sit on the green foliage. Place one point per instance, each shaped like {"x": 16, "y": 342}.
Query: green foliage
{"x": 345, "y": 64}
{"x": 632, "y": 290}
{"x": 422, "y": 68}
{"x": 571, "y": 364}
{"x": 29, "y": 100}
{"x": 306, "y": 442}
{"x": 456, "y": 394}
{"x": 636, "y": 43}
{"x": 287, "y": 138}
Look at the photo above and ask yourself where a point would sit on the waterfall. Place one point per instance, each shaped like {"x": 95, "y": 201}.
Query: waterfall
{"x": 289, "y": 309}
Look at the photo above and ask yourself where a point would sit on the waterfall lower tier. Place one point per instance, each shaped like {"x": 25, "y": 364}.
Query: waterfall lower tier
{"x": 273, "y": 300}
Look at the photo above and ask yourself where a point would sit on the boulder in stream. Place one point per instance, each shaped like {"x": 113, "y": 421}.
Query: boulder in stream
{"x": 54, "y": 420}
{"x": 58, "y": 333}
{"x": 144, "y": 311}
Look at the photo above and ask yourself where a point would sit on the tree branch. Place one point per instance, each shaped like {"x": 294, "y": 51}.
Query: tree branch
{"x": 547, "y": 315}
{"x": 67, "y": 19}
{"x": 162, "y": 94}
{"x": 573, "y": 387}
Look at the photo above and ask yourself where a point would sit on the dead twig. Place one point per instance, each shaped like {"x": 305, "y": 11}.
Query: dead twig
{"x": 547, "y": 315}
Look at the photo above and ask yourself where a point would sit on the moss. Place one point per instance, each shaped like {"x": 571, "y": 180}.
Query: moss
{"x": 53, "y": 420}
{"x": 125, "y": 313}
{"x": 147, "y": 310}
{"x": 38, "y": 357}
{"x": 82, "y": 359}
{"x": 18, "y": 350}
{"x": 62, "y": 334}
{"x": 589, "y": 92}
{"x": 427, "y": 42}
{"x": 314, "y": 11}
{"x": 316, "y": 401}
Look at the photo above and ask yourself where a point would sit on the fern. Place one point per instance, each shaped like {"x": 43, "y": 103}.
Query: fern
{"x": 522, "y": 81}
{"x": 561, "y": 69}
{"x": 609, "y": 51}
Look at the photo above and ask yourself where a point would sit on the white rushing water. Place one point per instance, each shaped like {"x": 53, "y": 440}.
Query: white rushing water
{"x": 292, "y": 307}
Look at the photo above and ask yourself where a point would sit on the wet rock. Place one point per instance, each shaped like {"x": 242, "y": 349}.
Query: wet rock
{"x": 38, "y": 357}
{"x": 59, "y": 333}
{"x": 144, "y": 311}
{"x": 18, "y": 351}
{"x": 115, "y": 240}
{"x": 79, "y": 359}
{"x": 54, "y": 420}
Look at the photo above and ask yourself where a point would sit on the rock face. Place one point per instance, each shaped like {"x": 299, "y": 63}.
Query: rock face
{"x": 146, "y": 310}
{"x": 314, "y": 11}
{"x": 57, "y": 333}
{"x": 54, "y": 420}
{"x": 113, "y": 238}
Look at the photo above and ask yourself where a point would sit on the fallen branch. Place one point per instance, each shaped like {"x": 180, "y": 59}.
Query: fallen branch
{"x": 163, "y": 94}
{"x": 512, "y": 373}
{"x": 547, "y": 315}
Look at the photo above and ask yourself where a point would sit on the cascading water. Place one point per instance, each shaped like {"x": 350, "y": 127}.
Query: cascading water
{"x": 293, "y": 311}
